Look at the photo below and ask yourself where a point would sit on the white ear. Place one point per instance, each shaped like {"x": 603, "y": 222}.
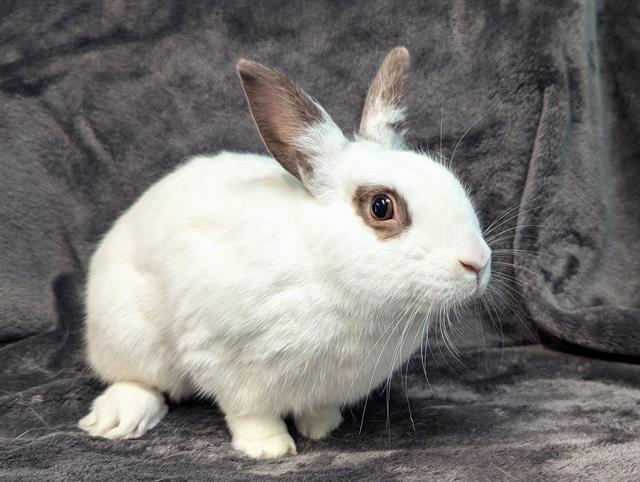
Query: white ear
{"x": 383, "y": 115}
{"x": 297, "y": 131}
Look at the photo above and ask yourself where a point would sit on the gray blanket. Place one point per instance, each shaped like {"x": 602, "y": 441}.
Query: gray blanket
{"x": 534, "y": 103}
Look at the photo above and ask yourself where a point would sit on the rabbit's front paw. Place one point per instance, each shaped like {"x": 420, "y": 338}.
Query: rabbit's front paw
{"x": 124, "y": 410}
{"x": 261, "y": 436}
{"x": 272, "y": 447}
{"x": 317, "y": 424}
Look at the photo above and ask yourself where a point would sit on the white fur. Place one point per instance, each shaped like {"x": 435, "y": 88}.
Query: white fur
{"x": 229, "y": 279}
{"x": 124, "y": 410}
{"x": 377, "y": 125}
{"x": 262, "y": 436}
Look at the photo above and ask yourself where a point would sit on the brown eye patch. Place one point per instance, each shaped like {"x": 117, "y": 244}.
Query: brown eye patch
{"x": 383, "y": 210}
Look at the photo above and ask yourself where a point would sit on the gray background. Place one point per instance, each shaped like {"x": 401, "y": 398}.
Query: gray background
{"x": 100, "y": 99}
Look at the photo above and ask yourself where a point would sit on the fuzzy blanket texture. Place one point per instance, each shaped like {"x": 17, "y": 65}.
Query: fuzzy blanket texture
{"x": 540, "y": 102}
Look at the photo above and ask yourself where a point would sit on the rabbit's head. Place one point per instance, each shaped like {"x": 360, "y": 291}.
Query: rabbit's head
{"x": 393, "y": 226}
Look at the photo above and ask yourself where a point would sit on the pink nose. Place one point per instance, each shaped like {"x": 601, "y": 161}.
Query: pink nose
{"x": 471, "y": 266}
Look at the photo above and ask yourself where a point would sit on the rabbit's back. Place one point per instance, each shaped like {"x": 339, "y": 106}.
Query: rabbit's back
{"x": 204, "y": 271}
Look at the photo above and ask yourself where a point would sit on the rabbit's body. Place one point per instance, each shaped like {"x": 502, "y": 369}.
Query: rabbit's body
{"x": 280, "y": 291}
{"x": 183, "y": 320}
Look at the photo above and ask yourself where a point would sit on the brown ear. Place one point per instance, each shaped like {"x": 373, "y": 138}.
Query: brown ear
{"x": 290, "y": 122}
{"x": 383, "y": 115}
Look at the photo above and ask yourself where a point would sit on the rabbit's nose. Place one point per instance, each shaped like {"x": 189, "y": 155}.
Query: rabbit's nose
{"x": 474, "y": 266}
{"x": 473, "y": 254}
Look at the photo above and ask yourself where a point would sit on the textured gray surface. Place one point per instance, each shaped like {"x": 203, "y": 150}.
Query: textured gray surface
{"x": 523, "y": 413}
{"x": 100, "y": 99}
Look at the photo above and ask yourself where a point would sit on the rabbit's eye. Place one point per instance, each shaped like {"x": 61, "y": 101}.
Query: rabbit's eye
{"x": 382, "y": 207}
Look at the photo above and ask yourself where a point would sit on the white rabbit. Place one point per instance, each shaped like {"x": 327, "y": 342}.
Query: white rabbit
{"x": 278, "y": 291}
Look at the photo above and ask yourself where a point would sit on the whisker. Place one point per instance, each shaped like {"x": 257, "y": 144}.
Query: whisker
{"x": 525, "y": 268}
{"x": 445, "y": 340}
{"x": 394, "y": 358}
{"x": 373, "y": 374}
{"x": 441, "y": 121}
{"x": 516, "y": 310}
{"x": 515, "y": 228}
{"x": 496, "y": 323}
{"x": 519, "y": 213}
{"x": 453, "y": 155}
{"x": 522, "y": 252}
{"x": 396, "y": 325}
{"x": 491, "y": 311}
{"x": 424, "y": 338}
{"x": 509, "y": 278}
{"x": 491, "y": 226}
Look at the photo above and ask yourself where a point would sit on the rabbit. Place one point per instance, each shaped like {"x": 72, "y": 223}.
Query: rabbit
{"x": 283, "y": 285}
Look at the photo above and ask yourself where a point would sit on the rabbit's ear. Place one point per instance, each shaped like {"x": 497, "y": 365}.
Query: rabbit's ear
{"x": 383, "y": 115}
{"x": 297, "y": 131}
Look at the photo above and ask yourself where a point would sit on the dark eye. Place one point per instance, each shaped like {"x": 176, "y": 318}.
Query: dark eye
{"x": 382, "y": 207}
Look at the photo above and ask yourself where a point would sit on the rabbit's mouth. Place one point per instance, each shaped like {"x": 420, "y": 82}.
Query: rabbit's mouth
{"x": 481, "y": 285}
{"x": 479, "y": 290}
